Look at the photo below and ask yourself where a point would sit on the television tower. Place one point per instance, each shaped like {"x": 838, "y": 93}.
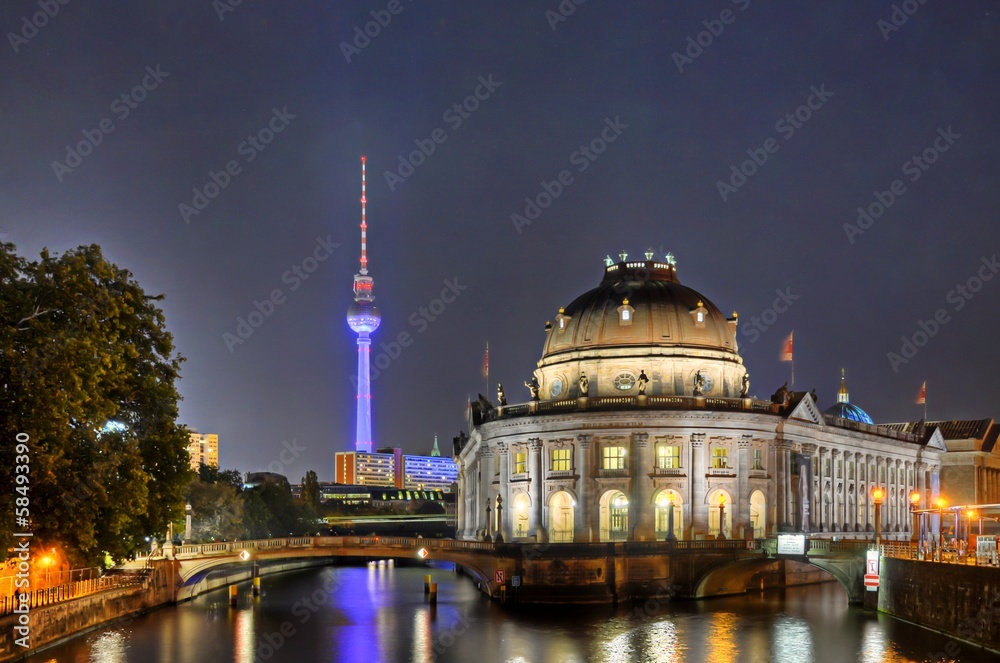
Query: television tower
{"x": 364, "y": 318}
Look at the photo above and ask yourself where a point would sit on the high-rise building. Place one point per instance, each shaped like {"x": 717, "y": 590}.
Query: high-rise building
{"x": 203, "y": 449}
{"x": 363, "y": 318}
{"x": 388, "y": 467}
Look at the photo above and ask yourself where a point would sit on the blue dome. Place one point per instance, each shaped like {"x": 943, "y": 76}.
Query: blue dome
{"x": 850, "y": 412}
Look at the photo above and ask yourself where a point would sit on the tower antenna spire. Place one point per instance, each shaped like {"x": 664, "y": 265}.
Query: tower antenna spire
{"x": 364, "y": 223}
{"x": 364, "y": 318}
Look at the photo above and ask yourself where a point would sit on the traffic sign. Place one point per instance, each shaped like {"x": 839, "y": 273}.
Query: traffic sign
{"x": 871, "y": 582}
{"x": 515, "y": 581}
{"x": 498, "y": 576}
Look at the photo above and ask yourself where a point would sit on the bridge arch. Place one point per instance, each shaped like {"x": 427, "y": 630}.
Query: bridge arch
{"x": 734, "y": 577}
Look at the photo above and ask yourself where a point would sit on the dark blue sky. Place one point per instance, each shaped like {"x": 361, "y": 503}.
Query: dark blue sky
{"x": 879, "y": 97}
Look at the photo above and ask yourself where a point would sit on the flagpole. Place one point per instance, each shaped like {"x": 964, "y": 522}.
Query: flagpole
{"x": 792, "y": 336}
{"x": 925, "y": 401}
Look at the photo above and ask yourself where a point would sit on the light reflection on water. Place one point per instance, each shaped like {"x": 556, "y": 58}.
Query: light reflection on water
{"x": 378, "y": 613}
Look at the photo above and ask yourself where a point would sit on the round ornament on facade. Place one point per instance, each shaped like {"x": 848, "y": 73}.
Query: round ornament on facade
{"x": 624, "y": 381}
{"x": 557, "y": 388}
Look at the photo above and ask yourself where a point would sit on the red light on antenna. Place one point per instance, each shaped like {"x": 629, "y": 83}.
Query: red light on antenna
{"x": 362, "y": 159}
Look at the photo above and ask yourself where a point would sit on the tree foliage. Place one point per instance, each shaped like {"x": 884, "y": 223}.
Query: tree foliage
{"x": 310, "y": 490}
{"x": 88, "y": 371}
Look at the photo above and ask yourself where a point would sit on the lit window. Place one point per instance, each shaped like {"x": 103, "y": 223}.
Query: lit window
{"x": 520, "y": 462}
{"x": 560, "y": 460}
{"x": 624, "y": 381}
{"x": 625, "y": 313}
{"x": 720, "y": 458}
{"x": 614, "y": 458}
{"x": 668, "y": 457}
{"x": 698, "y": 314}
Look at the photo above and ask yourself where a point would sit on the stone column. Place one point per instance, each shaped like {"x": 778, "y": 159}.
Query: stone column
{"x": 789, "y": 498}
{"x": 460, "y": 501}
{"x": 809, "y": 450}
{"x": 870, "y": 481}
{"x": 741, "y": 515}
{"x": 699, "y": 509}
{"x": 535, "y": 523}
{"x": 821, "y": 503}
{"x": 583, "y": 514}
{"x": 640, "y": 503}
{"x": 837, "y": 521}
{"x": 779, "y": 519}
{"x": 503, "y": 459}
{"x": 485, "y": 488}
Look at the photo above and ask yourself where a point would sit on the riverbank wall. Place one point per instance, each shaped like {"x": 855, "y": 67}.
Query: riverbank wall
{"x": 955, "y": 599}
{"x": 50, "y": 624}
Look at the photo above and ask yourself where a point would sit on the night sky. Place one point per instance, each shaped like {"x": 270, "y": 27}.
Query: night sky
{"x": 201, "y": 80}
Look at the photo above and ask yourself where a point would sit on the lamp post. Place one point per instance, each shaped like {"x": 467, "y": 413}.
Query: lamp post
{"x": 915, "y": 527}
{"x": 940, "y": 503}
{"x": 722, "y": 517}
{"x": 877, "y": 494}
{"x": 670, "y": 518}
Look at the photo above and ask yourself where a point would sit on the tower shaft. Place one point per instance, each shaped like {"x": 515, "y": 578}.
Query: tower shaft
{"x": 363, "y": 438}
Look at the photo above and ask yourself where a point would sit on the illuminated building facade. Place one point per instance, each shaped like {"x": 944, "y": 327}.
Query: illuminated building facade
{"x": 640, "y": 427}
{"x": 203, "y": 449}
{"x": 390, "y": 468}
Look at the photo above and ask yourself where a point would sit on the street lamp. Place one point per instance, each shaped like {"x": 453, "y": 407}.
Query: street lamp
{"x": 940, "y": 503}
{"x": 915, "y": 529}
{"x": 667, "y": 502}
{"x": 670, "y": 518}
{"x": 47, "y": 563}
{"x": 877, "y": 494}
{"x": 722, "y": 517}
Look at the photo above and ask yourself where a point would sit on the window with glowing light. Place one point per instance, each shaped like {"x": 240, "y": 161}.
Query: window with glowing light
{"x": 560, "y": 460}
{"x": 668, "y": 457}
{"x": 613, "y": 458}
{"x": 720, "y": 458}
{"x": 520, "y": 462}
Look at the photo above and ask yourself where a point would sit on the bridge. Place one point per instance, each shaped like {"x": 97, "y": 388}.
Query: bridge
{"x": 546, "y": 573}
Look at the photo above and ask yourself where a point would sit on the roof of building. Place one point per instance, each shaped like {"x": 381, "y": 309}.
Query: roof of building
{"x": 969, "y": 429}
{"x": 663, "y": 313}
{"x": 844, "y": 409}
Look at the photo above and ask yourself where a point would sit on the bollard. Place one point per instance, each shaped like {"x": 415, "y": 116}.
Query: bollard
{"x": 433, "y": 598}
{"x": 256, "y": 586}
{"x": 233, "y": 595}
{"x": 427, "y": 584}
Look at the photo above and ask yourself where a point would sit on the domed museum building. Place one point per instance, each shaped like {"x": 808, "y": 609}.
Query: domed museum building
{"x": 640, "y": 427}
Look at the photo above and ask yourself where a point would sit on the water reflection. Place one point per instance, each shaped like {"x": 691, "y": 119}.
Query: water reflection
{"x": 379, "y": 613}
{"x": 722, "y": 647}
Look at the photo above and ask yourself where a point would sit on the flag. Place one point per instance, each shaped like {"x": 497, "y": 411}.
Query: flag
{"x": 786, "y": 348}
{"x": 486, "y": 361}
{"x": 922, "y": 396}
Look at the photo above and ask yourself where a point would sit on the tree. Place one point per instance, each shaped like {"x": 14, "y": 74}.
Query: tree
{"x": 88, "y": 370}
{"x": 216, "y": 510}
{"x": 310, "y": 490}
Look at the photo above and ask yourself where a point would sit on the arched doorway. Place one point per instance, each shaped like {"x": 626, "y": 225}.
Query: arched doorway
{"x": 561, "y": 517}
{"x": 663, "y": 501}
{"x": 717, "y": 498}
{"x": 614, "y": 516}
{"x": 519, "y": 522}
{"x": 758, "y": 514}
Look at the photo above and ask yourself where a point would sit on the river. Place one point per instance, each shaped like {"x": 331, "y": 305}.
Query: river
{"x": 378, "y": 613}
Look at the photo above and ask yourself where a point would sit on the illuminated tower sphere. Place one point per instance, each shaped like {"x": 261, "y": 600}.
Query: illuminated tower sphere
{"x": 363, "y": 318}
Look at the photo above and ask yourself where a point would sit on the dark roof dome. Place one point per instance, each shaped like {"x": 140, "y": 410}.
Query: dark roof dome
{"x": 641, "y": 303}
{"x": 844, "y": 409}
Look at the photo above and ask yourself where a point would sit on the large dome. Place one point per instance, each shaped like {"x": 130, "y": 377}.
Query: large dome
{"x": 641, "y": 319}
